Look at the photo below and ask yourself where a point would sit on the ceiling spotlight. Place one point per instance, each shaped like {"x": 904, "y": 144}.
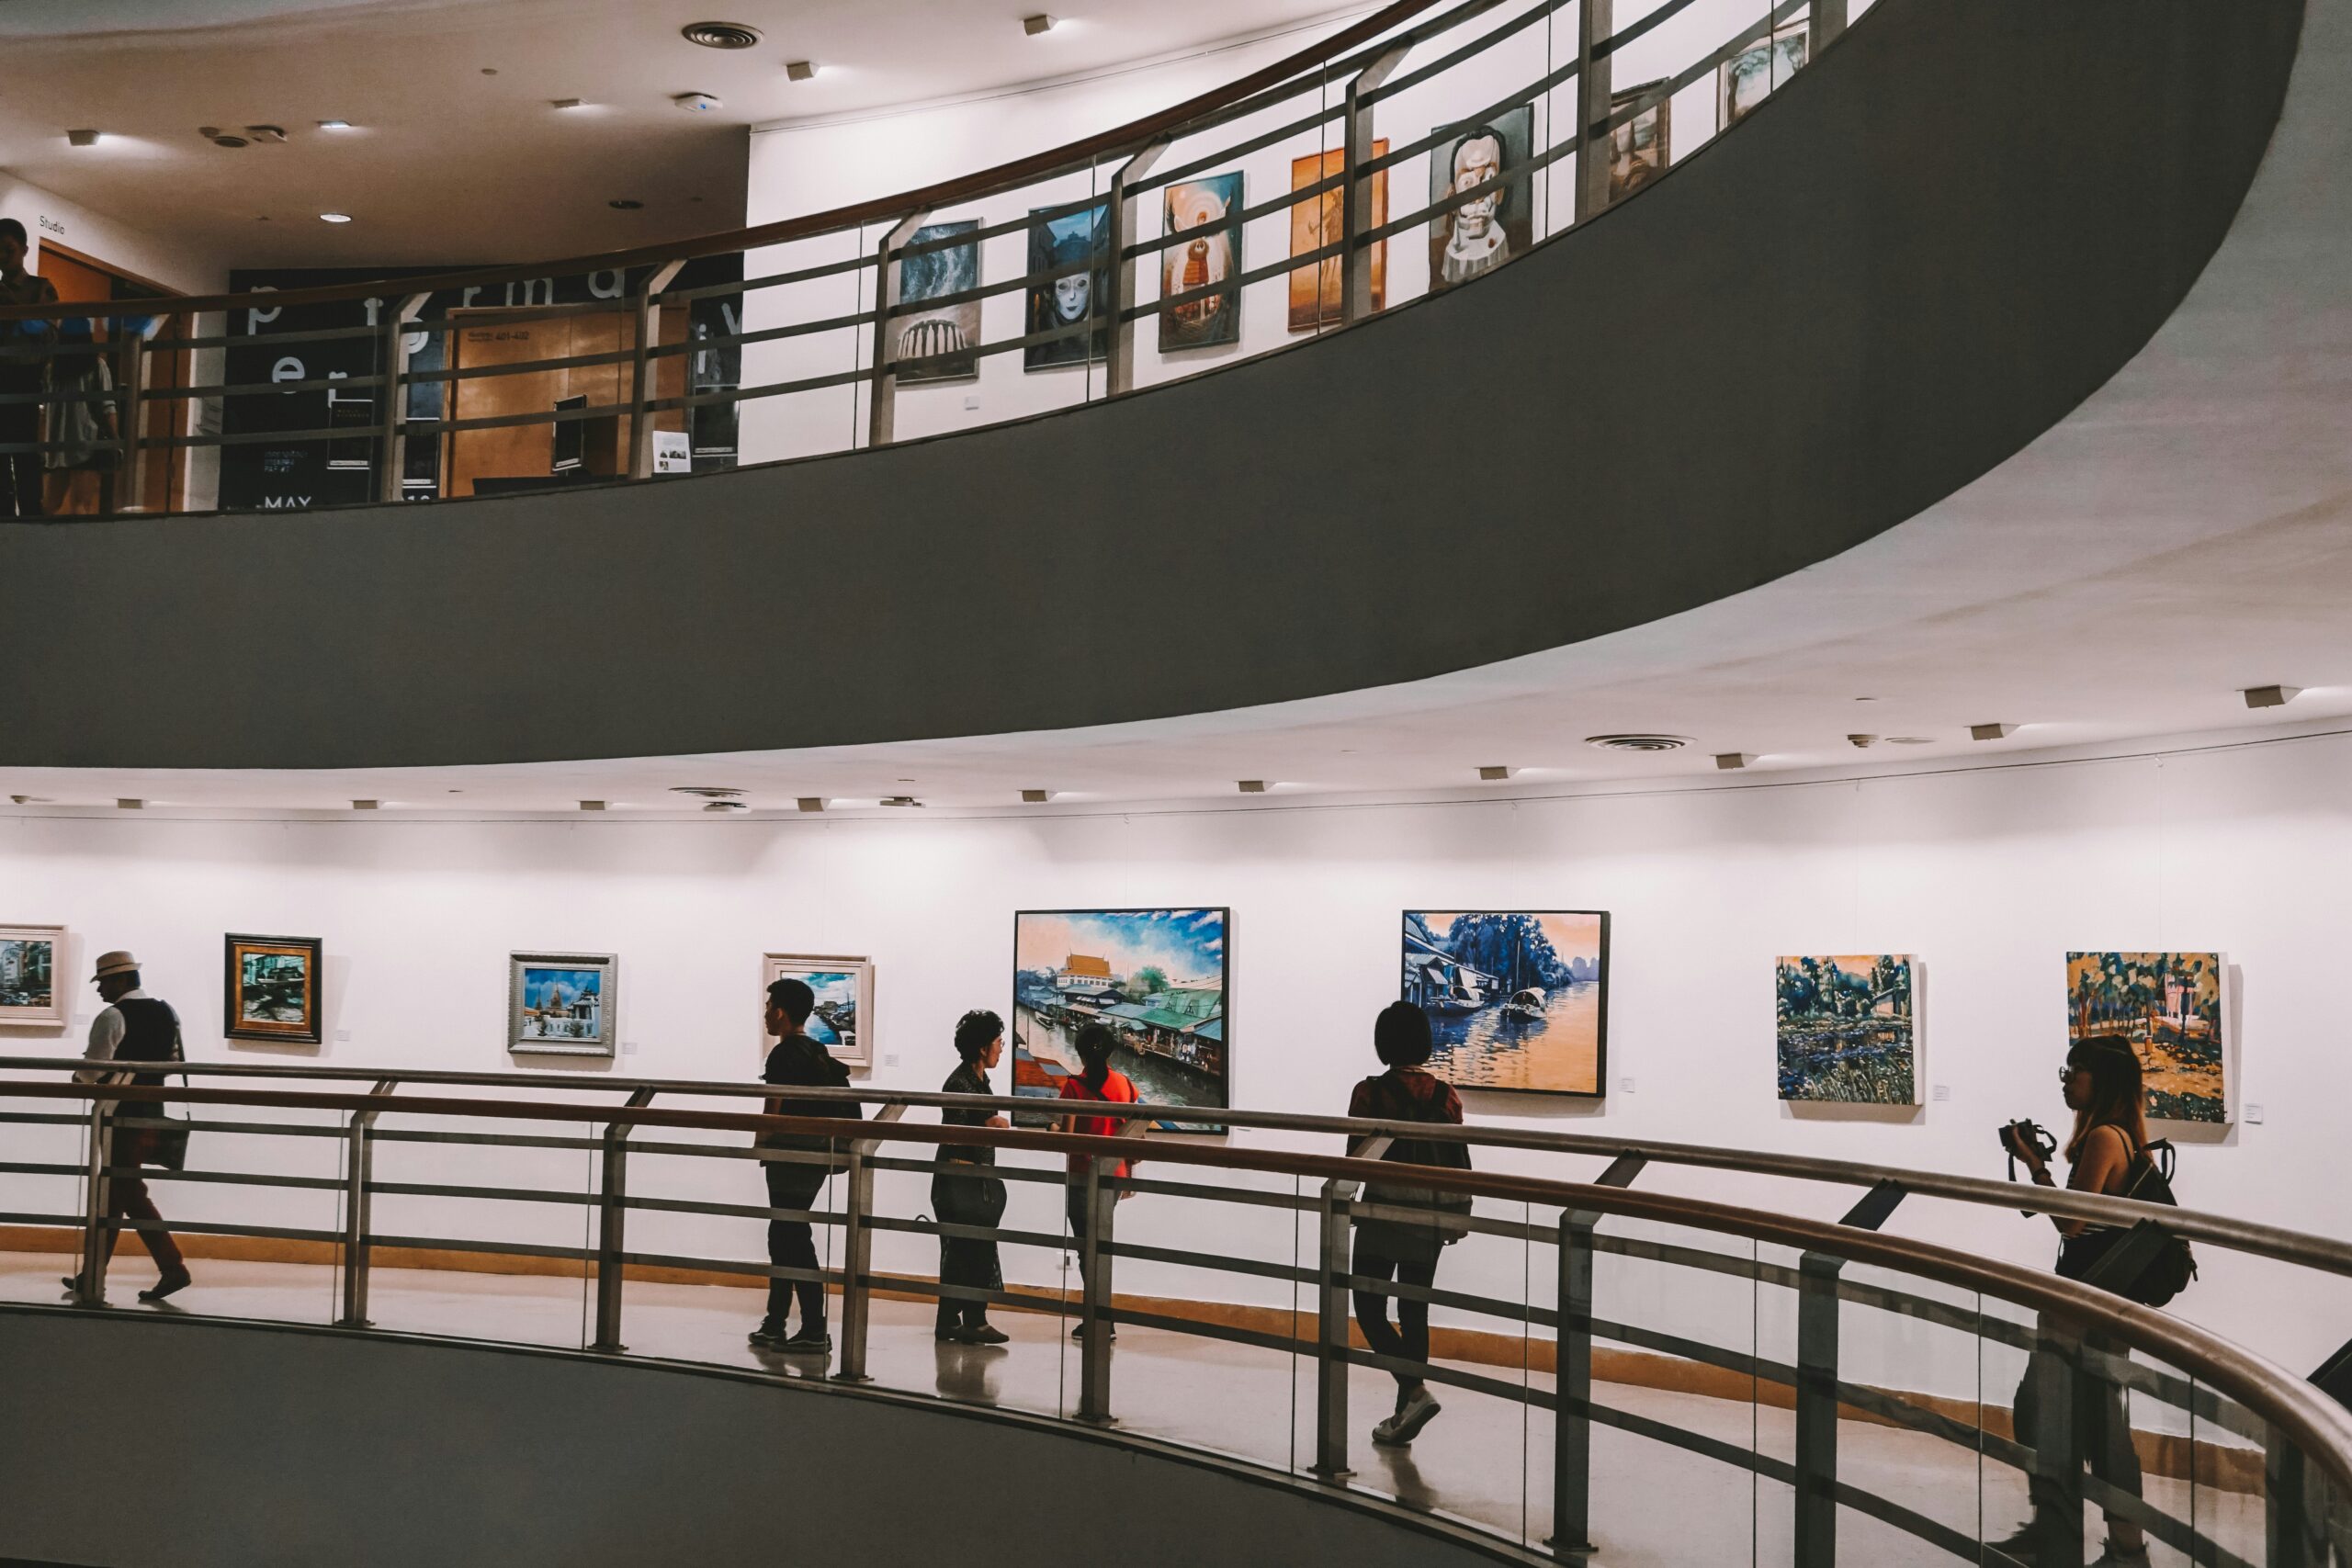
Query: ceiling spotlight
{"x": 1253, "y": 786}
{"x": 696, "y": 103}
{"x": 334, "y": 217}
{"x": 276, "y": 133}
{"x": 724, "y": 806}
{"x": 1990, "y": 731}
{"x": 366, "y": 804}
{"x": 2271, "y": 697}
{"x": 591, "y": 806}
{"x": 1493, "y": 774}
{"x": 81, "y": 138}
{"x": 566, "y": 103}
{"x": 1038, "y": 24}
{"x": 1910, "y": 740}
{"x": 334, "y": 125}
{"x": 720, "y": 35}
{"x": 29, "y": 799}
{"x": 1035, "y": 797}
{"x": 217, "y": 137}
{"x": 1861, "y": 742}
{"x": 128, "y": 803}
{"x": 1731, "y": 761}
{"x": 899, "y": 800}
{"x": 708, "y": 792}
{"x": 799, "y": 70}
{"x": 812, "y": 803}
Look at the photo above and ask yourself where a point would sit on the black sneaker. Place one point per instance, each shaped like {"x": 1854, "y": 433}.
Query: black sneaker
{"x": 985, "y": 1334}
{"x": 808, "y": 1342}
{"x": 1079, "y": 1332}
{"x": 768, "y": 1337}
{"x": 169, "y": 1285}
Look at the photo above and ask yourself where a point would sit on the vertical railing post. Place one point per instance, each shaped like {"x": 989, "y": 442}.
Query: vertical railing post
{"x": 1095, "y": 1255}
{"x": 359, "y": 1169}
{"x": 882, "y": 399}
{"x": 1572, "y": 1373}
{"x": 131, "y": 389}
{"x": 1827, "y": 21}
{"x": 647, "y": 312}
{"x": 1595, "y": 23}
{"x": 1356, "y": 185}
{"x": 1816, "y": 1390}
{"x": 2058, "y": 1446}
{"x": 2295, "y": 1532}
{"x": 391, "y": 427}
{"x": 857, "y": 1251}
{"x": 91, "y": 1279}
{"x": 1333, "y": 1268}
{"x": 1119, "y": 346}
{"x": 612, "y": 1209}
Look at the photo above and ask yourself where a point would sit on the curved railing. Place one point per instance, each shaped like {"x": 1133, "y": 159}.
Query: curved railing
{"x": 1594, "y": 1341}
{"x": 859, "y": 326}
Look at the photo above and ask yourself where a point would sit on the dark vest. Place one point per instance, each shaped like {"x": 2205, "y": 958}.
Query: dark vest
{"x": 150, "y": 1032}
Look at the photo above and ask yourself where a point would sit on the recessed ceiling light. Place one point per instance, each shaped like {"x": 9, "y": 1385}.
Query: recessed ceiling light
{"x": 334, "y": 125}
{"x": 799, "y": 70}
{"x": 82, "y": 139}
{"x": 1861, "y": 742}
{"x": 626, "y": 204}
{"x": 489, "y": 70}
{"x": 274, "y": 133}
{"x": 591, "y": 806}
{"x": 720, "y": 35}
{"x": 727, "y": 806}
{"x": 566, "y": 103}
{"x": 696, "y": 103}
{"x": 1493, "y": 774}
{"x": 899, "y": 800}
{"x": 1035, "y": 797}
{"x": 708, "y": 792}
{"x": 1038, "y": 24}
{"x": 1253, "y": 786}
{"x": 334, "y": 217}
{"x": 129, "y": 803}
{"x": 366, "y": 804}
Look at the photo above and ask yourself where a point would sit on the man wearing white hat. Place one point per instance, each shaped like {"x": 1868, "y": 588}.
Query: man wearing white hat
{"x": 135, "y": 1027}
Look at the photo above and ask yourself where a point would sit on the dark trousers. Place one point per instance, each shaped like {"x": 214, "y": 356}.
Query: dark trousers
{"x": 792, "y": 1244}
{"x": 1074, "y": 1205}
{"x": 1408, "y": 1338}
{"x": 2103, "y": 1427}
{"x": 963, "y": 1261}
{"x": 128, "y": 1199}
{"x": 20, "y": 473}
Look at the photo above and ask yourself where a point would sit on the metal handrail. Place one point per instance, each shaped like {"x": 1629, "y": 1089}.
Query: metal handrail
{"x": 2278, "y": 1243}
{"x": 2298, "y": 1425}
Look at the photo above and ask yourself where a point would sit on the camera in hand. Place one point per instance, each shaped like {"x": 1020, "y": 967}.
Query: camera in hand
{"x": 2029, "y": 1141}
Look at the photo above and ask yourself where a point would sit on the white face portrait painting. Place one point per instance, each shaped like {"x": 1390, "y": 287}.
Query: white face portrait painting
{"x": 1476, "y": 242}
{"x": 1072, "y": 295}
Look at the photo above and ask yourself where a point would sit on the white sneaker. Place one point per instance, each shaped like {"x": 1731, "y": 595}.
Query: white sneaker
{"x": 1417, "y": 1410}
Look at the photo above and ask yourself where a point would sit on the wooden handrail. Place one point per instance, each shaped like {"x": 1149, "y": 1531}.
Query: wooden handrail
{"x": 966, "y": 187}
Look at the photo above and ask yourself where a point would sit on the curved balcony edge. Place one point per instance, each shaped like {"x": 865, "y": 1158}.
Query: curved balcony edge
{"x": 1878, "y": 290}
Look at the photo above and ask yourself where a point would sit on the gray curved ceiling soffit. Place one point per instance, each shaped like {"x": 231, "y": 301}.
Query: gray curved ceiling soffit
{"x": 1921, "y": 254}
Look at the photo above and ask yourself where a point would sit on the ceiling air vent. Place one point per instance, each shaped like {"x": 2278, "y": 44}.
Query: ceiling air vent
{"x": 1639, "y": 742}
{"x": 720, "y": 35}
{"x": 707, "y": 792}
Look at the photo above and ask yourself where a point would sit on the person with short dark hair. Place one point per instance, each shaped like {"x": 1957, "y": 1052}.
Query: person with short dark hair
{"x": 1095, "y": 1080}
{"x": 798, "y": 1061}
{"x": 21, "y": 375}
{"x": 1390, "y": 1249}
{"x": 967, "y": 1197}
{"x": 134, "y": 1027}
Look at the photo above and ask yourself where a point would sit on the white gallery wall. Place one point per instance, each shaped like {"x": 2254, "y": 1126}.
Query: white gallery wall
{"x": 807, "y": 166}
{"x": 1990, "y": 874}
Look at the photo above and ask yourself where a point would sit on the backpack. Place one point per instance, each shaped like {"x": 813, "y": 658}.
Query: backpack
{"x": 2148, "y": 1179}
{"x": 1449, "y": 1219}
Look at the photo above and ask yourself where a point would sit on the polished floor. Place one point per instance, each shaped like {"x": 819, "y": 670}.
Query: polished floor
{"x": 1487, "y": 1461}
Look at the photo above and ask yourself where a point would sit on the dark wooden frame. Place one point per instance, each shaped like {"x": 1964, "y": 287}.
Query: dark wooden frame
{"x": 311, "y": 1031}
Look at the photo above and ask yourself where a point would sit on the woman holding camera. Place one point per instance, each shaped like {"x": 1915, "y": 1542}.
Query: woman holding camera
{"x": 2104, "y": 1091}
{"x": 973, "y": 1196}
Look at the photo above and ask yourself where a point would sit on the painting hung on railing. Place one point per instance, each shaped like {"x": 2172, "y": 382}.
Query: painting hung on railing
{"x": 1210, "y": 210}
{"x": 1499, "y": 223}
{"x": 938, "y": 345}
{"x": 1156, "y": 978}
{"x": 1747, "y": 78}
{"x": 1316, "y": 222}
{"x": 1641, "y": 148}
{"x": 1060, "y": 242}
{"x": 1516, "y": 1000}
{"x": 1849, "y": 1028}
{"x": 2170, "y": 1007}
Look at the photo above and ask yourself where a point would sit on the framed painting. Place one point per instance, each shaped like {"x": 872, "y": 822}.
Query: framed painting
{"x": 272, "y": 990}
{"x": 32, "y": 962}
{"x": 562, "y": 1004}
{"x": 844, "y": 1020}
{"x": 1747, "y": 78}
{"x": 1076, "y": 245}
{"x": 2170, "y": 1007}
{"x": 1209, "y": 210}
{"x": 1640, "y": 146}
{"x": 1518, "y": 1001}
{"x": 940, "y": 343}
{"x": 1481, "y": 232}
{"x": 1155, "y": 977}
{"x": 1848, "y": 1027}
{"x": 1316, "y": 221}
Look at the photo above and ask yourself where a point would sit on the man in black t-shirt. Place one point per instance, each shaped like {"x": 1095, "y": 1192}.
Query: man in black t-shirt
{"x": 794, "y": 1184}
{"x": 21, "y": 377}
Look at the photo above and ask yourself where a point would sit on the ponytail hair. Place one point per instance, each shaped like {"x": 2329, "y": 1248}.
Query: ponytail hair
{"x": 1094, "y": 1042}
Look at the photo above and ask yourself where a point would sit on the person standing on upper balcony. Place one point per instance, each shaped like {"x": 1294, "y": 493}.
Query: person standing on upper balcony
{"x": 134, "y": 1027}
{"x": 973, "y": 1195}
{"x": 21, "y": 375}
{"x": 794, "y": 1184}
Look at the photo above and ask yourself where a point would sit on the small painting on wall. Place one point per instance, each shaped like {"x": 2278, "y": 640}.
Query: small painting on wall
{"x": 1209, "y": 210}
{"x": 843, "y": 1022}
{"x": 1518, "y": 1002}
{"x": 1849, "y": 1028}
{"x": 1747, "y": 78}
{"x": 1155, "y": 977}
{"x": 1319, "y": 220}
{"x": 940, "y": 343}
{"x": 1641, "y": 145}
{"x": 272, "y": 990}
{"x": 2168, "y": 1008}
{"x": 562, "y": 1004}
{"x": 31, "y": 958}
{"x": 1076, "y": 245}
{"x": 1484, "y": 230}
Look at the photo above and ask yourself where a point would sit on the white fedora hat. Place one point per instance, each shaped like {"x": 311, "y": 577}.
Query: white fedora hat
{"x": 116, "y": 963}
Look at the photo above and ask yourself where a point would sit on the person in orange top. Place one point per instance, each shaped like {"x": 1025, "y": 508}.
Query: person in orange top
{"x": 1094, "y": 1080}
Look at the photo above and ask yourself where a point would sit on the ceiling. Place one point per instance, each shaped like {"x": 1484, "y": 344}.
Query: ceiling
{"x": 448, "y": 161}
